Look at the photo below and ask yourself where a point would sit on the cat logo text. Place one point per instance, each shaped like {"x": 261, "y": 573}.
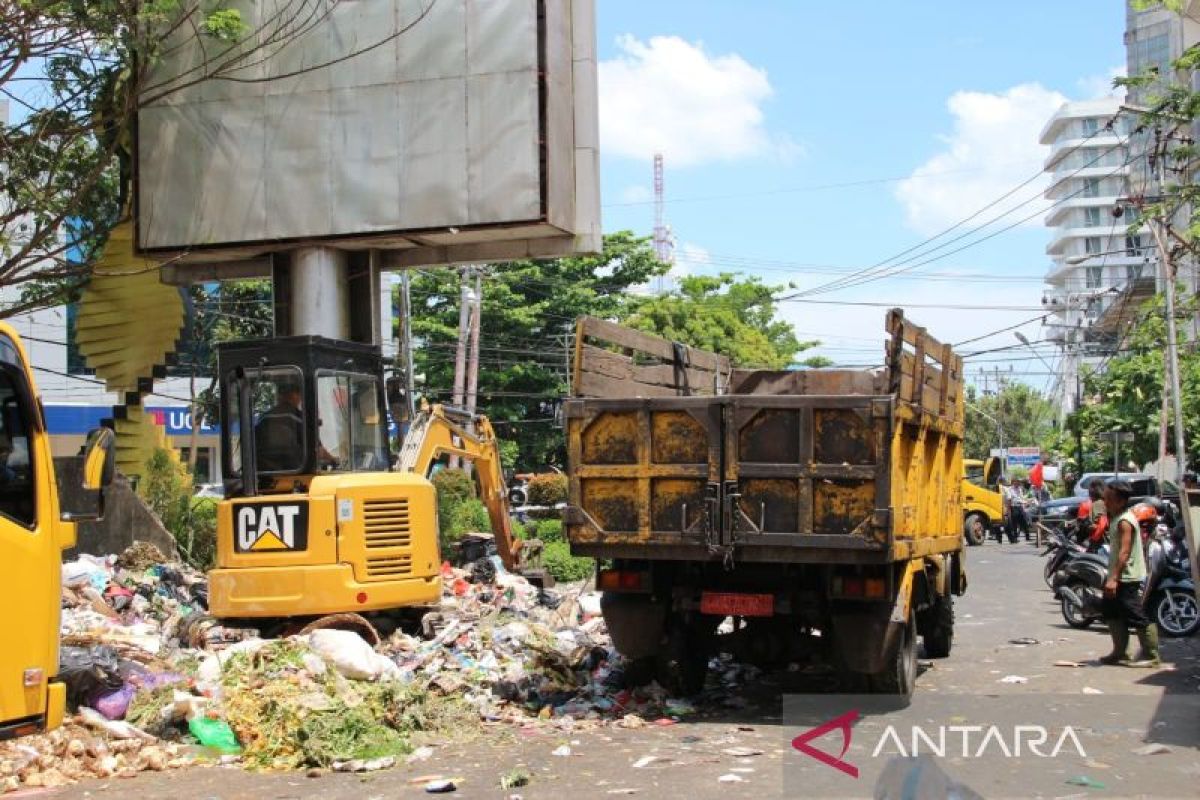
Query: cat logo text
{"x": 271, "y": 527}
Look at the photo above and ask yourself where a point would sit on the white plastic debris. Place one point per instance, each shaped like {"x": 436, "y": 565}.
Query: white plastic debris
{"x": 349, "y": 654}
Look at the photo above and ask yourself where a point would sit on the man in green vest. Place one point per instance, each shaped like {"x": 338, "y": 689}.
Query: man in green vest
{"x": 1123, "y": 587}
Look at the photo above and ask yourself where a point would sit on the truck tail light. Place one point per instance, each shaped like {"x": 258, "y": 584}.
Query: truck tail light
{"x": 617, "y": 580}
{"x": 858, "y": 587}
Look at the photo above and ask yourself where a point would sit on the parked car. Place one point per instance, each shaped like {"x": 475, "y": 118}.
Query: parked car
{"x": 1055, "y": 513}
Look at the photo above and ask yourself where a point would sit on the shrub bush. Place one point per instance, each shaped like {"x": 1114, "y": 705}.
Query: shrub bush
{"x": 563, "y": 566}
{"x": 166, "y": 488}
{"x": 549, "y": 530}
{"x": 547, "y": 490}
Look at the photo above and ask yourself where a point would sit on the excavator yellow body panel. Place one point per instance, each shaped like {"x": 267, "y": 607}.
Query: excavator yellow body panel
{"x": 363, "y": 541}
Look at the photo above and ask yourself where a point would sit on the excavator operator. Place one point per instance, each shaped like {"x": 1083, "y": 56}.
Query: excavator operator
{"x": 279, "y": 434}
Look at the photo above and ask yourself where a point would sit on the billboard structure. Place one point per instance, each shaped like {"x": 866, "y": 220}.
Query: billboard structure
{"x": 435, "y": 131}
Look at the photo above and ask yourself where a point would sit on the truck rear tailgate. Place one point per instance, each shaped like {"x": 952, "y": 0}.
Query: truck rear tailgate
{"x": 776, "y": 477}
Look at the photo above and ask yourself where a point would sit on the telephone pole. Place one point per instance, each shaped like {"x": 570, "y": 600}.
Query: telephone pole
{"x": 460, "y": 352}
{"x": 406, "y": 346}
{"x": 473, "y": 363}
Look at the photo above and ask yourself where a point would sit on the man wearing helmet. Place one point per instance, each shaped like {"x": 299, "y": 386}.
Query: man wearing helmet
{"x": 1123, "y": 588}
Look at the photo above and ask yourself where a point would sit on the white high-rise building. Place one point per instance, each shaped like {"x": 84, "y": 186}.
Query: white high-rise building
{"x": 1100, "y": 273}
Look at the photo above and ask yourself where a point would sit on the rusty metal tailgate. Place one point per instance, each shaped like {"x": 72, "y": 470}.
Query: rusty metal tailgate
{"x": 754, "y": 477}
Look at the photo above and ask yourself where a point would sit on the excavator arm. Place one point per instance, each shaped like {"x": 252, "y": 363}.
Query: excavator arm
{"x": 440, "y": 431}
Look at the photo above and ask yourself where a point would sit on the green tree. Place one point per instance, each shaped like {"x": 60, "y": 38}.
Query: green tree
{"x": 528, "y": 319}
{"x": 73, "y": 72}
{"x": 1127, "y": 395}
{"x": 228, "y": 311}
{"x": 1024, "y": 415}
{"x": 726, "y": 314}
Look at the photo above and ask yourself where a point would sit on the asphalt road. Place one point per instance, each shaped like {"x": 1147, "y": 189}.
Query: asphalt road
{"x": 1008, "y": 629}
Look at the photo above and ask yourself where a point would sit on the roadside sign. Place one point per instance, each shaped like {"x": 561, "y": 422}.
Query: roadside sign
{"x": 1023, "y": 456}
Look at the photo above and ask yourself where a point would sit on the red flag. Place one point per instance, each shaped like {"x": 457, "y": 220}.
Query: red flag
{"x": 1035, "y": 476}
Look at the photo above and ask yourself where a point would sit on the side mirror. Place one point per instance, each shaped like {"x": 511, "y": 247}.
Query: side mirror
{"x": 97, "y": 466}
{"x": 98, "y": 461}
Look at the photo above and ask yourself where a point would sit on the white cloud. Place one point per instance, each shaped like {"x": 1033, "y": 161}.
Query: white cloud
{"x": 636, "y": 193}
{"x": 1094, "y": 87}
{"x": 669, "y": 96}
{"x": 992, "y": 148}
{"x": 690, "y": 257}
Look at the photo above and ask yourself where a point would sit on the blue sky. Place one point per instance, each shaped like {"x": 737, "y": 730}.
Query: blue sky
{"x": 752, "y": 101}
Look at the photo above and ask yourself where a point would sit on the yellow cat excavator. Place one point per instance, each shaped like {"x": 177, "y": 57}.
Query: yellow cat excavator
{"x": 316, "y": 519}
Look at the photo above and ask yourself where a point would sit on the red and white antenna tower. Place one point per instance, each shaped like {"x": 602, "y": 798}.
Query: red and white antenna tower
{"x": 664, "y": 247}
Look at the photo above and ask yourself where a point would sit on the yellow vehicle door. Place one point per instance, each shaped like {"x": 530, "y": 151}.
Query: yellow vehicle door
{"x": 30, "y": 557}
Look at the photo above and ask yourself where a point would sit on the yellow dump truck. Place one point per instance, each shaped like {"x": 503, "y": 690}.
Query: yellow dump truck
{"x": 818, "y": 510}
{"x": 983, "y": 505}
{"x": 34, "y": 530}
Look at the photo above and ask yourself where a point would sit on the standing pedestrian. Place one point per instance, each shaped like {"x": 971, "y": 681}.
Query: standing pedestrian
{"x": 1122, "y": 604}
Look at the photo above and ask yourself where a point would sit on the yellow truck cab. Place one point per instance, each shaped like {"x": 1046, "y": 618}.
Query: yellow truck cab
{"x": 33, "y": 534}
{"x": 983, "y": 505}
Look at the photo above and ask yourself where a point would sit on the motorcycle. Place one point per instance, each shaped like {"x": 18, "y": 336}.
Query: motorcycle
{"x": 1169, "y": 596}
{"x": 1060, "y": 546}
{"x": 1079, "y": 586}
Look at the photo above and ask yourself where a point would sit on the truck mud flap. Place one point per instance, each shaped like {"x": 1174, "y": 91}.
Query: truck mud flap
{"x": 864, "y": 638}
{"x": 636, "y": 623}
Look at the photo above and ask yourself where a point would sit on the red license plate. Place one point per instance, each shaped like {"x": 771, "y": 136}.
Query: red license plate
{"x": 730, "y": 604}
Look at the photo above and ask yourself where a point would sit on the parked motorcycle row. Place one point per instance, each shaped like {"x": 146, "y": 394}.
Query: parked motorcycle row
{"x": 1076, "y": 569}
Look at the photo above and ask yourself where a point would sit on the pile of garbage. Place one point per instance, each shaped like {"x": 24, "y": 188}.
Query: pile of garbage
{"x": 154, "y": 683}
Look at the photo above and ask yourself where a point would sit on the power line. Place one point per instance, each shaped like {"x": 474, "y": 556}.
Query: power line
{"x": 874, "y": 272}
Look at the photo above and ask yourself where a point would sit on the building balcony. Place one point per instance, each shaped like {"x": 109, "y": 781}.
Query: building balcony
{"x": 1061, "y": 209}
{"x": 1069, "y": 112}
{"x": 1101, "y": 142}
{"x": 1064, "y": 174}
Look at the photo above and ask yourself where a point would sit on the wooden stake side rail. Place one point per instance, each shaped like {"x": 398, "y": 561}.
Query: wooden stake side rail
{"x": 612, "y": 361}
{"x": 926, "y": 374}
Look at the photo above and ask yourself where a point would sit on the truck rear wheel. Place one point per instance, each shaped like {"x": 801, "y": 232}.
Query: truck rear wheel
{"x": 940, "y": 636}
{"x": 900, "y": 675}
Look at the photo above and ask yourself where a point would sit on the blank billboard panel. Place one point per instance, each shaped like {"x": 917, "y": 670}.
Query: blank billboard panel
{"x": 440, "y": 130}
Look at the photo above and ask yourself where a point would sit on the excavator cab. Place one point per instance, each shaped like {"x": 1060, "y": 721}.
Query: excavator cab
{"x": 297, "y": 407}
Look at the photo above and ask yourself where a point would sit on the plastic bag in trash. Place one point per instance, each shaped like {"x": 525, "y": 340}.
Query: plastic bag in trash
{"x": 919, "y": 778}
{"x": 113, "y": 703}
{"x": 349, "y": 654}
{"x": 214, "y": 733}
{"x": 86, "y": 570}
{"x": 87, "y": 671}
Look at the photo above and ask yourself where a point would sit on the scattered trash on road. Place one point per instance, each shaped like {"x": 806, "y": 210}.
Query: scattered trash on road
{"x": 742, "y": 752}
{"x": 440, "y": 787}
{"x": 1154, "y": 749}
{"x": 1013, "y": 679}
